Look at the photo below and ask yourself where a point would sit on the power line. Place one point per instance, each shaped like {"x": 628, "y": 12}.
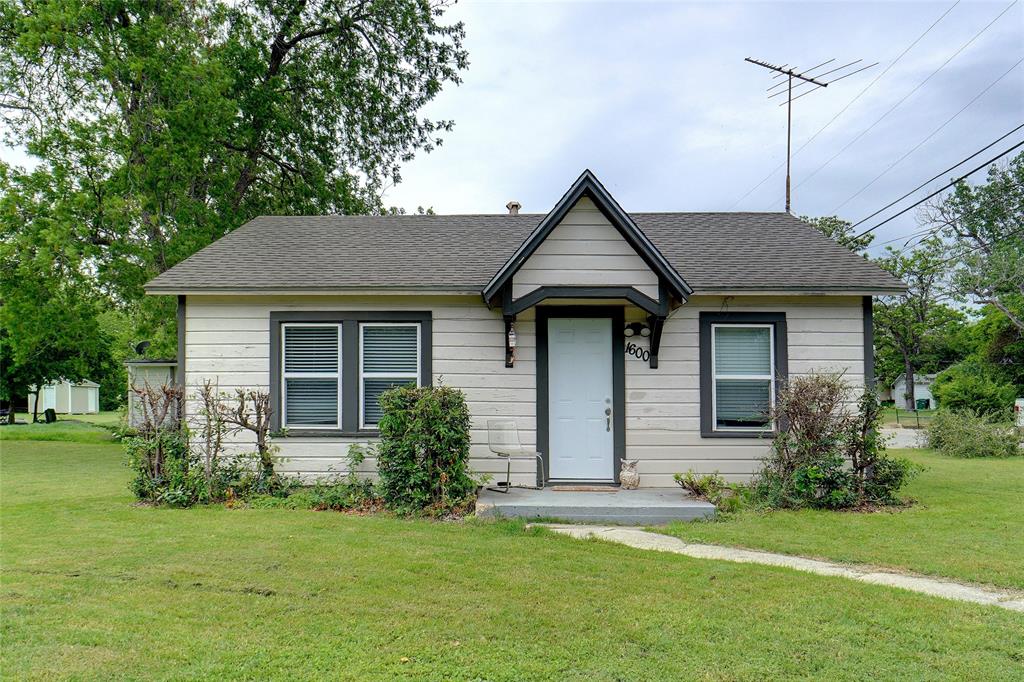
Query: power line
{"x": 938, "y": 175}
{"x": 939, "y": 191}
{"x": 908, "y": 95}
{"x": 930, "y": 136}
{"x": 848, "y": 104}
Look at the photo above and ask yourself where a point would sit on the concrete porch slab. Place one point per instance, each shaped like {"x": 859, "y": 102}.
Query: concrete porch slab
{"x": 646, "y": 506}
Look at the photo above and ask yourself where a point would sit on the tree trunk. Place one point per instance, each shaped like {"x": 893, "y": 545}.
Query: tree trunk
{"x": 908, "y": 388}
{"x": 35, "y": 408}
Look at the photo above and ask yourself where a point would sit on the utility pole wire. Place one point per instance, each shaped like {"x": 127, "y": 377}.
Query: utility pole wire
{"x": 848, "y": 104}
{"x": 938, "y": 175}
{"x": 908, "y": 95}
{"x": 930, "y": 136}
{"x": 940, "y": 190}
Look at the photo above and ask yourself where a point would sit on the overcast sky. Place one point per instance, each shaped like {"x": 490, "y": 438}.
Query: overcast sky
{"x": 656, "y": 99}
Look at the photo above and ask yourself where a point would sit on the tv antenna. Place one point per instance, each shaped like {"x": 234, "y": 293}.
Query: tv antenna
{"x": 804, "y": 79}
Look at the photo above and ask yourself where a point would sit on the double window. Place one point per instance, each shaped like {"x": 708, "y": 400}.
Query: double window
{"x": 330, "y": 369}
{"x": 743, "y": 355}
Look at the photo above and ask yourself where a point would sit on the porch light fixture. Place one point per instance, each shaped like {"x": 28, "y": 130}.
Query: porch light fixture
{"x": 637, "y": 329}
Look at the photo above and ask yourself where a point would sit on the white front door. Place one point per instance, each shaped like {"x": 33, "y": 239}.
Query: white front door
{"x": 580, "y": 420}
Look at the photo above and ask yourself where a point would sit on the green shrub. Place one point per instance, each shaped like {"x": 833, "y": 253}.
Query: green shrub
{"x": 966, "y": 433}
{"x": 727, "y": 497}
{"x": 968, "y": 386}
{"x": 423, "y": 454}
{"x": 828, "y": 456}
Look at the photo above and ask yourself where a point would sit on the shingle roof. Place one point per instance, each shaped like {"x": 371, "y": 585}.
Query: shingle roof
{"x": 711, "y": 251}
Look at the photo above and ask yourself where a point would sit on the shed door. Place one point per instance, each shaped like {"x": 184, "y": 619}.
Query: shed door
{"x": 581, "y": 436}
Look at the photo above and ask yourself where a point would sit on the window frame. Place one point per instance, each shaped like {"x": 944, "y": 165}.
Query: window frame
{"x": 780, "y": 367}
{"x": 363, "y": 375}
{"x": 349, "y": 320}
{"x": 715, "y": 377}
{"x": 337, "y": 375}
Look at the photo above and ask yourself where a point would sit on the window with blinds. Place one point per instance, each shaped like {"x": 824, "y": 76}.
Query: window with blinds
{"x": 389, "y": 356}
{"x": 742, "y": 360}
{"x": 311, "y": 368}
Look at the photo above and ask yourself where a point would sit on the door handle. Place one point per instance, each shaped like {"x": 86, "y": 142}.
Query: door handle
{"x": 608, "y": 418}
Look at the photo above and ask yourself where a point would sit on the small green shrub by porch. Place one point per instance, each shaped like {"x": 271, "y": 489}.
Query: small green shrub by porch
{"x": 966, "y": 433}
{"x": 828, "y": 456}
{"x": 423, "y": 455}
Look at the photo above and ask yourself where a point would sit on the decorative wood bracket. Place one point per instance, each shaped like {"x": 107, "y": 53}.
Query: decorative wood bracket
{"x": 657, "y": 325}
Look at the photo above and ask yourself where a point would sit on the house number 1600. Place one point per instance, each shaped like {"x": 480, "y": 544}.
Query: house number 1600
{"x": 638, "y": 352}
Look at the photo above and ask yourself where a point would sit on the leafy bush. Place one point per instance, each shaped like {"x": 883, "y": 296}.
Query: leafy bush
{"x": 969, "y": 387}
{"x": 423, "y": 454}
{"x": 966, "y": 433}
{"x": 826, "y": 455}
{"x": 727, "y": 497}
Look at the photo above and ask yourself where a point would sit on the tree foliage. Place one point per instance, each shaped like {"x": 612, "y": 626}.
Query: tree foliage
{"x": 161, "y": 126}
{"x": 984, "y": 225}
{"x": 840, "y": 231}
{"x": 917, "y": 323}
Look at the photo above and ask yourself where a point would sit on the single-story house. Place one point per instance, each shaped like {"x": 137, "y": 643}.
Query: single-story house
{"x": 69, "y": 397}
{"x": 922, "y": 390}
{"x": 602, "y": 334}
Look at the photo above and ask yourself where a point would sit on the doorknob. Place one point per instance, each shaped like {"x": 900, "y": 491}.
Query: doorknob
{"x": 608, "y": 418}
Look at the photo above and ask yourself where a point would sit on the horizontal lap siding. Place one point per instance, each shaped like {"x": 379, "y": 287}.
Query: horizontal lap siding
{"x": 663, "y": 405}
{"x": 584, "y": 250}
{"x": 227, "y": 341}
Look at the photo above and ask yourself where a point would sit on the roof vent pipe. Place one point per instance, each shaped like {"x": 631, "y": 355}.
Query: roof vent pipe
{"x": 513, "y": 207}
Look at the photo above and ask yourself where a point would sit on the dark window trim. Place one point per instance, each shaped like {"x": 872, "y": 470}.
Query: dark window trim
{"x": 350, "y": 393}
{"x": 617, "y": 315}
{"x": 781, "y": 369}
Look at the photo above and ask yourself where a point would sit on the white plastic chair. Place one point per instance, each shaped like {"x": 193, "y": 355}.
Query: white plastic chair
{"x": 503, "y": 440}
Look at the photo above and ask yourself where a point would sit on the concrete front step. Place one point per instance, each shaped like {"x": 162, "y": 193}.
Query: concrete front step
{"x": 646, "y": 506}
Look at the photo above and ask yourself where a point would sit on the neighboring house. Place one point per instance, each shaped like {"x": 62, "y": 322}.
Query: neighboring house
{"x": 65, "y": 397}
{"x": 143, "y": 373}
{"x": 528, "y": 315}
{"x": 922, "y": 390}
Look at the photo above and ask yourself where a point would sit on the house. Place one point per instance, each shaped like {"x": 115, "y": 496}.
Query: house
{"x": 529, "y": 316}
{"x": 68, "y": 397}
{"x": 922, "y": 391}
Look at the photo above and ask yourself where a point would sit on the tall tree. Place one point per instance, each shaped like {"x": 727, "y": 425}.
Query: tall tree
{"x": 984, "y": 225}
{"x": 173, "y": 122}
{"x": 912, "y": 323}
{"x": 840, "y": 231}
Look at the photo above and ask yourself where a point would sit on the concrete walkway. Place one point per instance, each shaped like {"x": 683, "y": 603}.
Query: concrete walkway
{"x": 642, "y": 539}
{"x": 903, "y": 438}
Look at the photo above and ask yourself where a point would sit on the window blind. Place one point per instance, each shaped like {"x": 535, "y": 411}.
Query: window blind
{"x": 742, "y": 351}
{"x": 390, "y": 357}
{"x": 743, "y": 376}
{"x": 311, "y": 375}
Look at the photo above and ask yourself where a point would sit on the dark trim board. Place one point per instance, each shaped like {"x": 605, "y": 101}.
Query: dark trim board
{"x": 869, "y": 343}
{"x": 349, "y": 320}
{"x": 629, "y": 293}
{"x": 617, "y": 316}
{"x": 778, "y": 320}
{"x": 179, "y": 371}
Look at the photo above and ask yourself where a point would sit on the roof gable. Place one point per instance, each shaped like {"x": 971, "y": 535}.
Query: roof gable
{"x": 587, "y": 185}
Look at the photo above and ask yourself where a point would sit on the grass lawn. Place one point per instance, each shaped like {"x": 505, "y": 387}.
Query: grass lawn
{"x": 93, "y": 587}
{"x": 968, "y": 524}
{"x": 80, "y": 428}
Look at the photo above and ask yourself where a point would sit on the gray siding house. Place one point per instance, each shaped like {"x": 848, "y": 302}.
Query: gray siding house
{"x": 602, "y": 334}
